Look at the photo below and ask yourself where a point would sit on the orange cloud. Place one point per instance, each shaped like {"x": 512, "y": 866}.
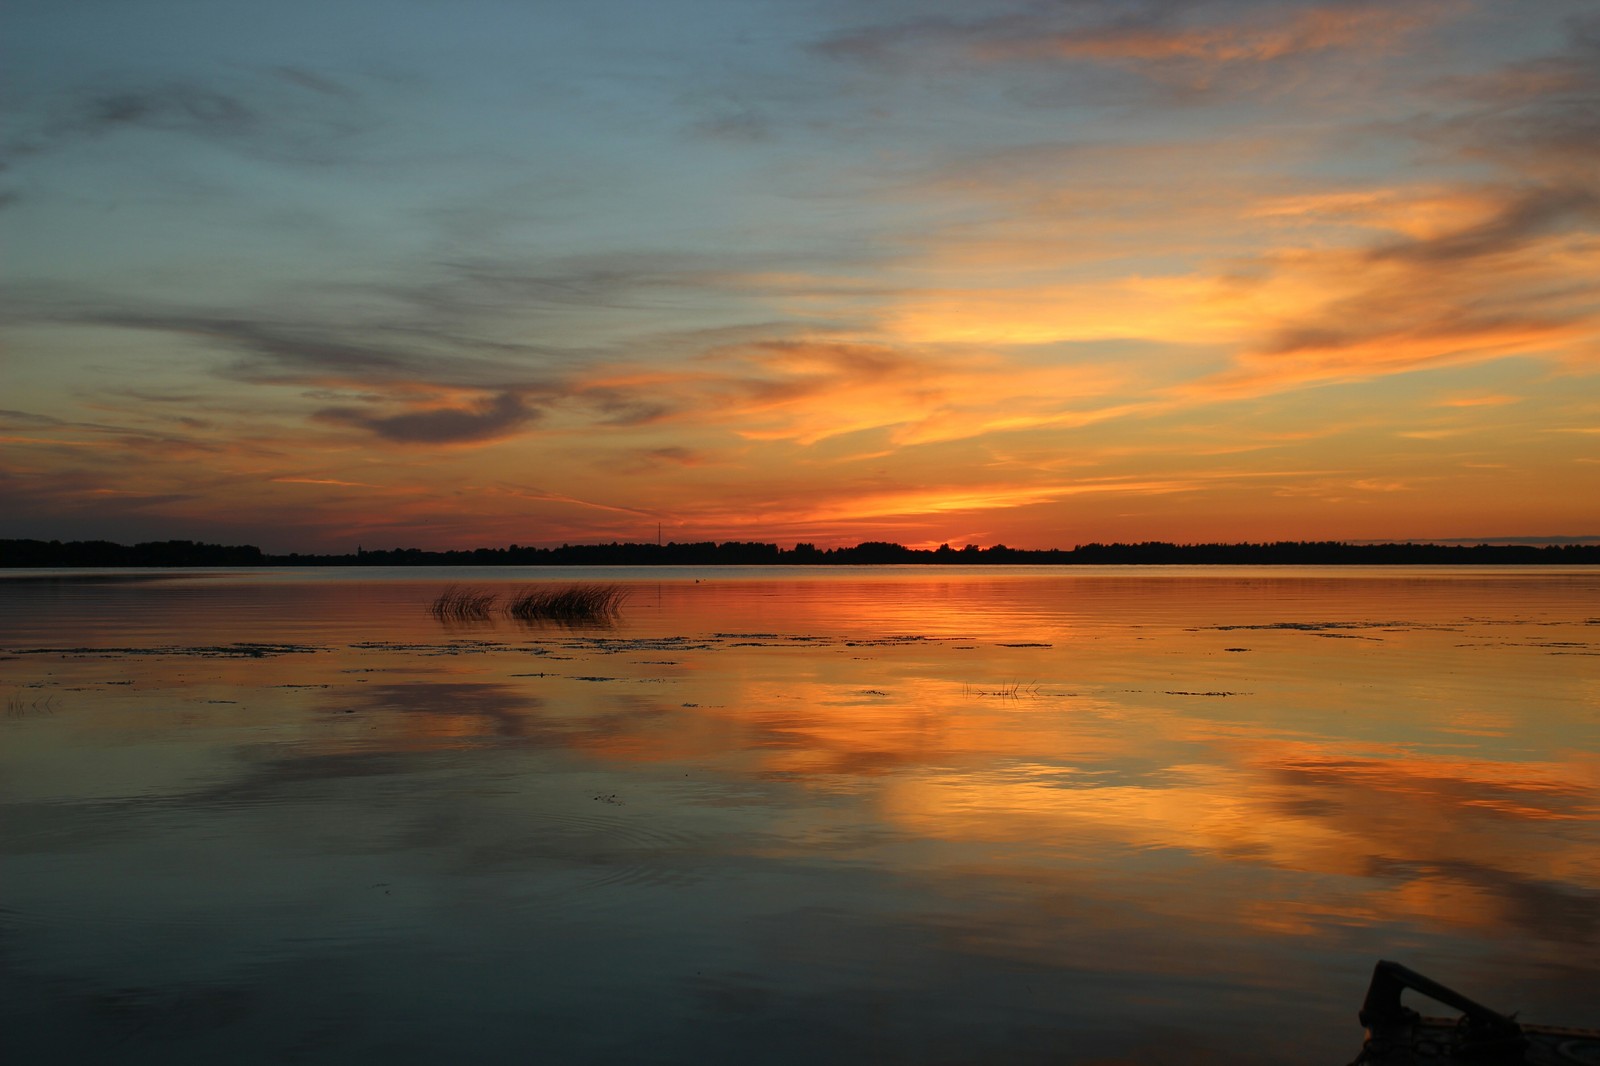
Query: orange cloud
{"x": 487, "y": 418}
{"x": 1479, "y": 400}
{"x": 1318, "y": 29}
{"x": 323, "y": 481}
{"x": 814, "y": 389}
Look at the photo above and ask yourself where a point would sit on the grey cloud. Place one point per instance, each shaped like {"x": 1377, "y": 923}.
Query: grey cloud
{"x": 1175, "y": 51}
{"x": 272, "y": 117}
{"x": 636, "y": 413}
{"x": 860, "y": 361}
{"x": 461, "y": 322}
{"x": 619, "y": 407}
{"x": 385, "y": 389}
{"x": 274, "y": 353}
{"x": 882, "y": 40}
{"x": 1081, "y": 21}
{"x": 957, "y": 26}
{"x": 130, "y": 438}
{"x": 1569, "y": 129}
{"x": 29, "y": 419}
{"x": 319, "y": 83}
{"x": 173, "y": 107}
{"x": 499, "y": 416}
{"x": 744, "y": 125}
{"x": 378, "y": 373}
{"x": 622, "y": 280}
{"x": 281, "y": 348}
{"x": 877, "y": 42}
{"x": 1527, "y": 216}
{"x": 180, "y": 108}
{"x": 675, "y": 455}
{"x": 1541, "y": 113}
{"x": 154, "y": 397}
{"x": 1378, "y": 316}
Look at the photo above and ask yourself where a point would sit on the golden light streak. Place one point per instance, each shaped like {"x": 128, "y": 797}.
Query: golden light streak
{"x": 53, "y": 441}
{"x": 323, "y": 481}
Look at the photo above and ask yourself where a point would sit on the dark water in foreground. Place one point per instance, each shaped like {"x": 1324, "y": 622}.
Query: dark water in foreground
{"x": 874, "y": 816}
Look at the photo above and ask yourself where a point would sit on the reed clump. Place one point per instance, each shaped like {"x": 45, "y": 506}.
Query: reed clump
{"x": 456, "y": 604}
{"x": 562, "y": 603}
{"x": 568, "y": 603}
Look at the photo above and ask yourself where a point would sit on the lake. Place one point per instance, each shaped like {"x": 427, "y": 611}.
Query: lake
{"x": 787, "y": 815}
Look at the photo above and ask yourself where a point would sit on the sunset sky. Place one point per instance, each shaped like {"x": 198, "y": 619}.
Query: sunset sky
{"x": 398, "y": 273}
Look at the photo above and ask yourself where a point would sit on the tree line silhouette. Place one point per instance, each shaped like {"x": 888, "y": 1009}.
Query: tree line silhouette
{"x": 100, "y": 553}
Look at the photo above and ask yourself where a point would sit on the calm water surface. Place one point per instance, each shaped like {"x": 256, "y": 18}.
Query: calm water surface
{"x": 918, "y": 815}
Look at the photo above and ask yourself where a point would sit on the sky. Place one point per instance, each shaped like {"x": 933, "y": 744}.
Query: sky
{"x": 399, "y": 273}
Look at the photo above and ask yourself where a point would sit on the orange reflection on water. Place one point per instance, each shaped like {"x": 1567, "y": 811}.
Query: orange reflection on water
{"x": 1284, "y": 756}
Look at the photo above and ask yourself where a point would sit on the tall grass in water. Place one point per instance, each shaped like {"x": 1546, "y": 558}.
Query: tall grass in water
{"x": 457, "y": 604}
{"x": 570, "y": 603}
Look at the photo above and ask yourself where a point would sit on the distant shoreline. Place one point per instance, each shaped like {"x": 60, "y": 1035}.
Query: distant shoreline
{"x": 28, "y": 554}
